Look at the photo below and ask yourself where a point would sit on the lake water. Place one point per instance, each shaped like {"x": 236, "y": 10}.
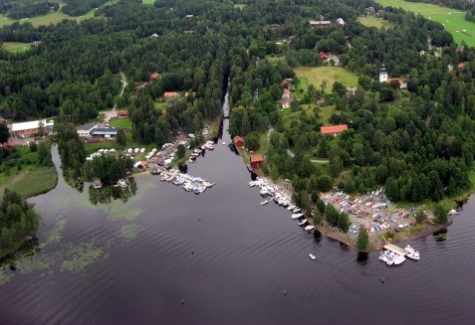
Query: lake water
{"x": 228, "y": 258}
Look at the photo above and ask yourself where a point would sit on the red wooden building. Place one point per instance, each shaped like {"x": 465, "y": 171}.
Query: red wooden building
{"x": 238, "y": 141}
{"x": 256, "y": 161}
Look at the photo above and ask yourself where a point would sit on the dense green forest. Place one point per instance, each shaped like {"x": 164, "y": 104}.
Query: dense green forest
{"x": 20, "y": 9}
{"x": 417, "y": 142}
{"x": 18, "y": 222}
{"x": 76, "y": 8}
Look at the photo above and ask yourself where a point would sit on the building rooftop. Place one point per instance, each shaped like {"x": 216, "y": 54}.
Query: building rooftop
{"x": 86, "y": 127}
{"x": 257, "y": 158}
{"x": 331, "y": 129}
{"x": 31, "y": 125}
{"x": 104, "y": 131}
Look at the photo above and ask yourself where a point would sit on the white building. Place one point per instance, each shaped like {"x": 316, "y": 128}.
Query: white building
{"x": 85, "y": 130}
{"x": 383, "y": 74}
{"x": 32, "y": 127}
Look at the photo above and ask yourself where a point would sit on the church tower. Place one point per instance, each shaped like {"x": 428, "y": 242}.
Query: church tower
{"x": 383, "y": 75}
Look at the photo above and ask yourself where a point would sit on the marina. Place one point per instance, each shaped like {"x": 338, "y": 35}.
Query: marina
{"x": 189, "y": 182}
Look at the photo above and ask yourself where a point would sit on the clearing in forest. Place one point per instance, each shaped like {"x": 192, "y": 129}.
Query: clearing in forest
{"x": 375, "y": 22}
{"x": 16, "y": 47}
{"x": 316, "y": 76}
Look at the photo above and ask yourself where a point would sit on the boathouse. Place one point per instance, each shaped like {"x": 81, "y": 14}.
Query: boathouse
{"x": 333, "y": 129}
{"x": 257, "y": 161}
{"x": 238, "y": 141}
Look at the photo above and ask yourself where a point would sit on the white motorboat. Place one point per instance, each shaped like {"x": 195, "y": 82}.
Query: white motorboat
{"x": 224, "y": 142}
{"x": 302, "y": 222}
{"x": 297, "y": 215}
{"x": 291, "y": 207}
{"x": 191, "y": 160}
{"x": 309, "y": 227}
{"x": 398, "y": 259}
{"x": 312, "y": 257}
{"x": 263, "y": 192}
{"x": 397, "y": 254}
{"x": 122, "y": 182}
{"x": 412, "y": 253}
{"x": 296, "y": 210}
{"x": 252, "y": 183}
{"x": 264, "y": 202}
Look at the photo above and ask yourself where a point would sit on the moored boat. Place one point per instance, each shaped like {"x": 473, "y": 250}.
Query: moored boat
{"x": 412, "y": 253}
{"x": 302, "y": 222}
{"x": 297, "y": 215}
{"x": 264, "y": 202}
{"x": 312, "y": 257}
{"x": 309, "y": 227}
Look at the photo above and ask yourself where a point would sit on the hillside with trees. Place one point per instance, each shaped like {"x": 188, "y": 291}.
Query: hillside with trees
{"x": 417, "y": 142}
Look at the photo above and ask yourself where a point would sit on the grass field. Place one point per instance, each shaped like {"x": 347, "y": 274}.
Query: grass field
{"x": 274, "y": 59}
{"x": 375, "y": 22}
{"x": 452, "y": 19}
{"x": 120, "y": 122}
{"x": 148, "y": 2}
{"x": 5, "y": 20}
{"x": 16, "y": 47}
{"x": 316, "y": 75}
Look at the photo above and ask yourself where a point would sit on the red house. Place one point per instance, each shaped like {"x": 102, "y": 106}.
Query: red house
{"x": 154, "y": 77}
{"x": 323, "y": 56}
{"x": 256, "y": 161}
{"x": 122, "y": 114}
{"x": 238, "y": 141}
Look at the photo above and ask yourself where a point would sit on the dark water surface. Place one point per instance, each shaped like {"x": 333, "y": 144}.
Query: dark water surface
{"x": 227, "y": 257}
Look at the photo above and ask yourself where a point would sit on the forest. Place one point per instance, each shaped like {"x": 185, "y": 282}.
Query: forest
{"x": 18, "y": 222}
{"x": 417, "y": 142}
{"x": 20, "y": 9}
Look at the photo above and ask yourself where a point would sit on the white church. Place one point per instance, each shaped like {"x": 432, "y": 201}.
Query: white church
{"x": 383, "y": 77}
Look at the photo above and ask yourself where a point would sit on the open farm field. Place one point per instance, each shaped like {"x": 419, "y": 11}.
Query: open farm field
{"x": 416, "y": 7}
{"x": 452, "y": 19}
{"x": 316, "y": 75}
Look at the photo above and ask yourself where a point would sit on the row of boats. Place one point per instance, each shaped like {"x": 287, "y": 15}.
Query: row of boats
{"x": 270, "y": 190}
{"x": 189, "y": 182}
{"x": 395, "y": 255}
{"x": 198, "y": 151}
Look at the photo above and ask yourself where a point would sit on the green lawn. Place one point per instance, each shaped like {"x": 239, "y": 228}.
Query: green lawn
{"x": 161, "y": 105}
{"x": 120, "y": 122}
{"x": 274, "y": 59}
{"x": 5, "y": 20}
{"x": 16, "y": 47}
{"x": 316, "y": 75}
{"x": 375, "y": 22}
{"x": 148, "y": 2}
{"x": 238, "y": 5}
{"x": 452, "y": 19}
{"x": 416, "y": 7}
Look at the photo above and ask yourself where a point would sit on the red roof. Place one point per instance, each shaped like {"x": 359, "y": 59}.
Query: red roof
{"x": 170, "y": 94}
{"x": 287, "y": 91}
{"x": 257, "y": 158}
{"x": 332, "y": 129}
{"x": 323, "y": 56}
